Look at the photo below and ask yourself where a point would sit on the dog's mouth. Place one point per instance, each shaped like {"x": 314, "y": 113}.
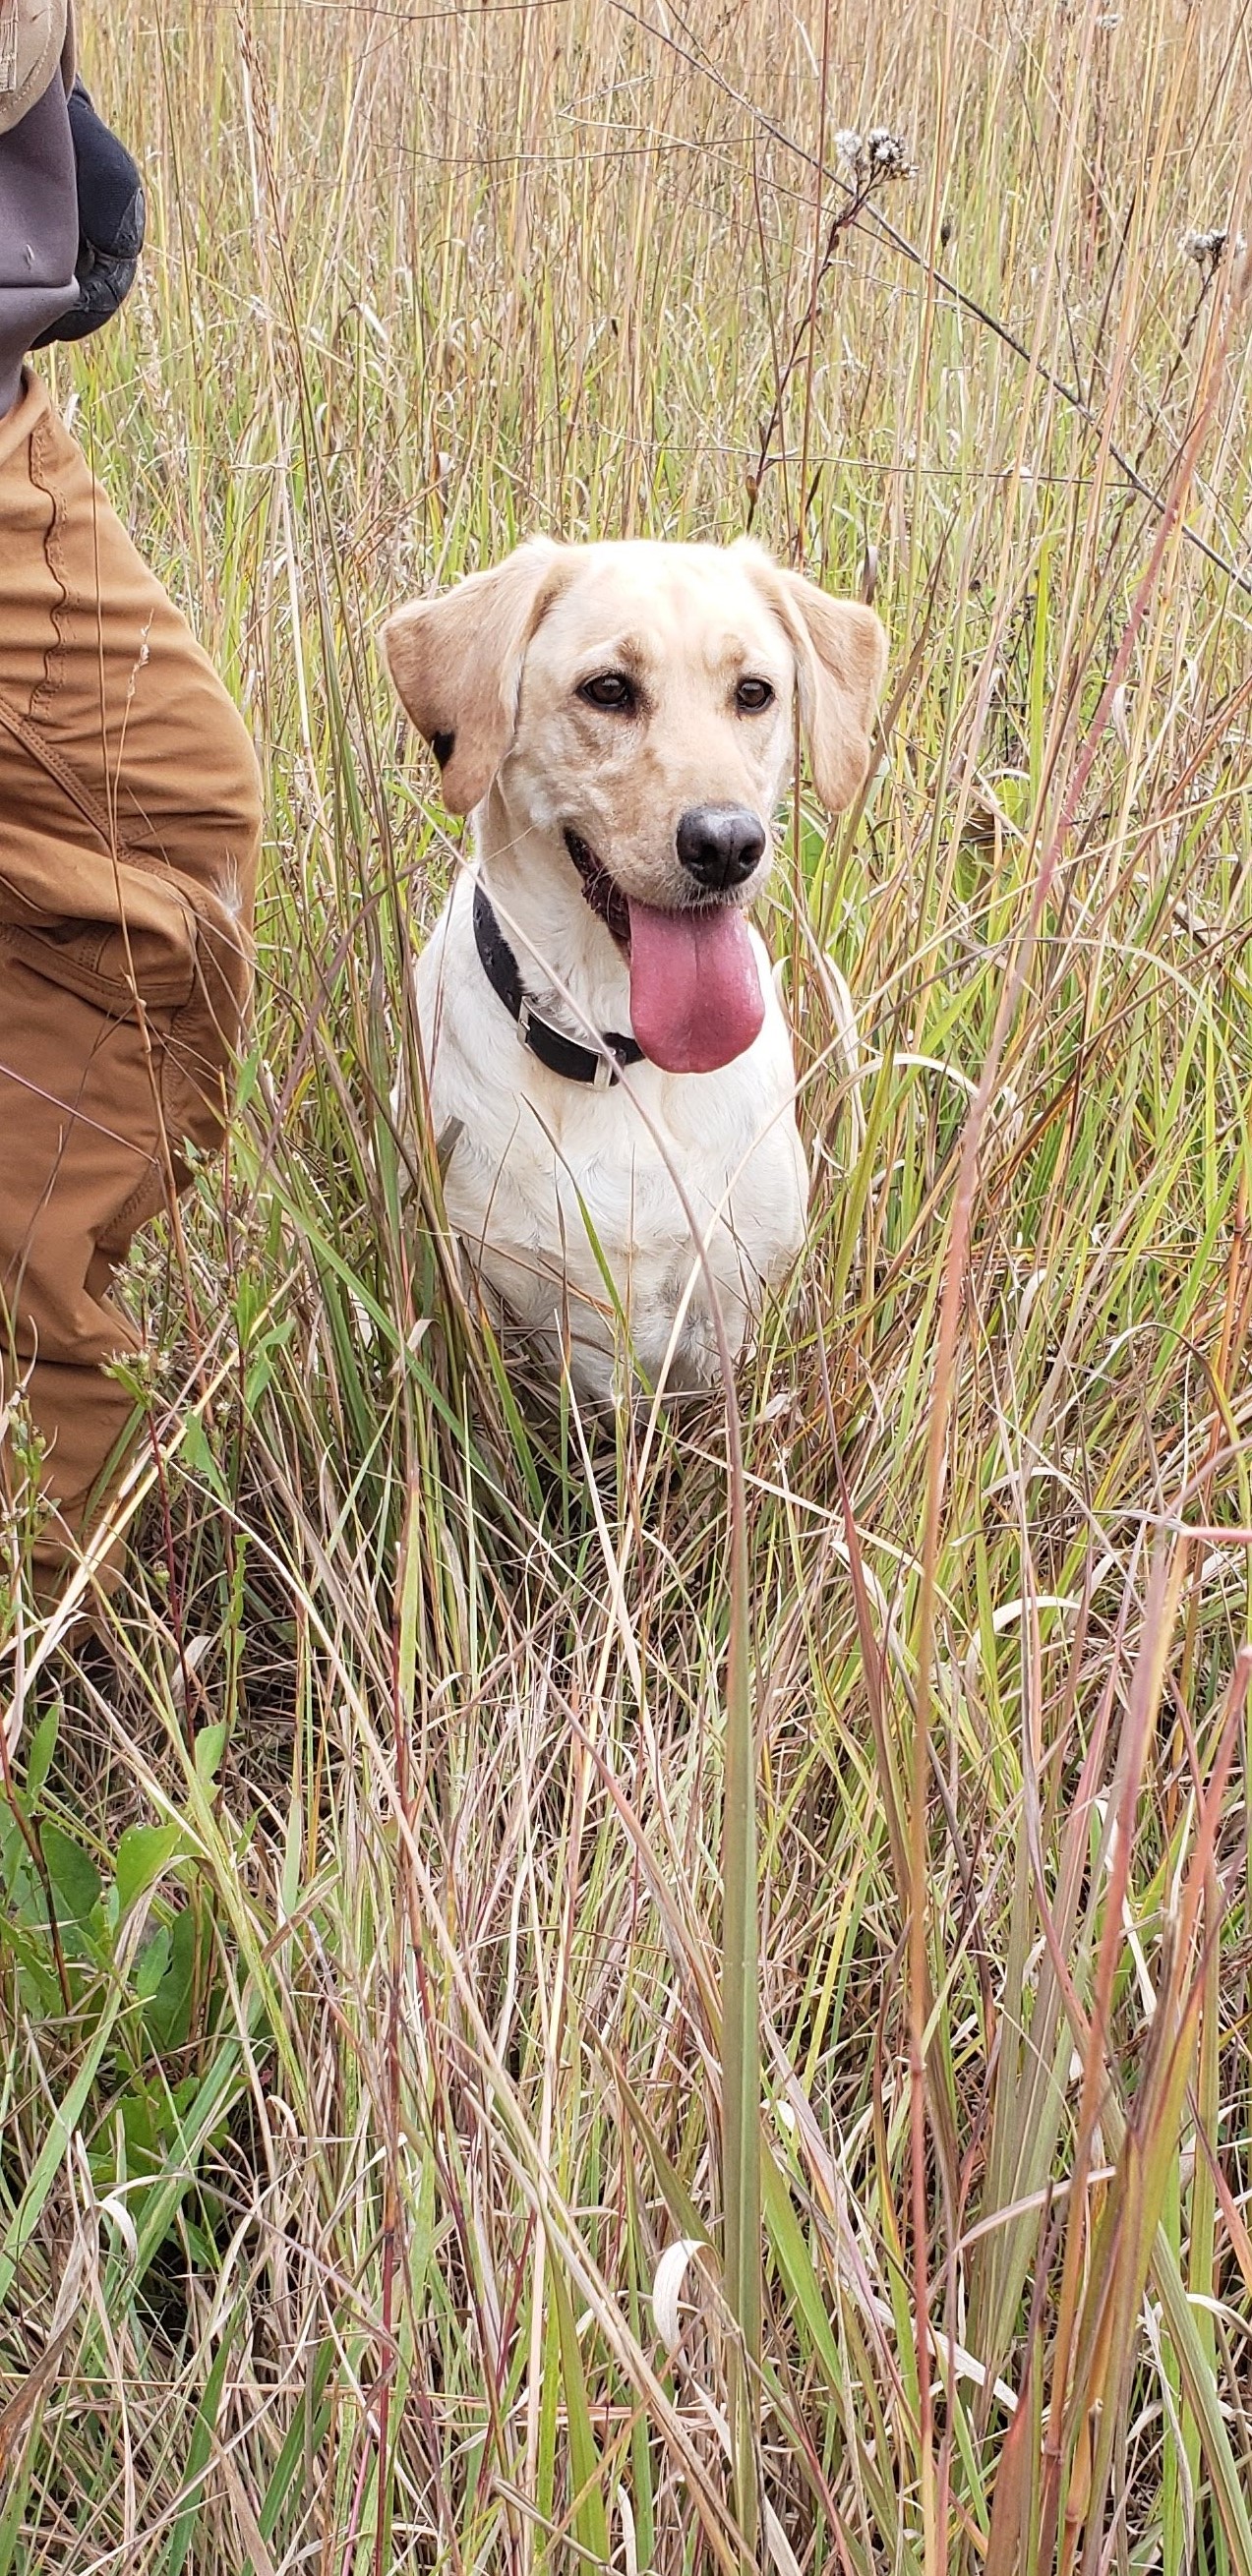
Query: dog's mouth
{"x": 695, "y": 989}
{"x": 601, "y": 891}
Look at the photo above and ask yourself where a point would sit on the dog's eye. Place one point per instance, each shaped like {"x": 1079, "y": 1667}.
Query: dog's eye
{"x": 608, "y": 689}
{"x": 752, "y": 695}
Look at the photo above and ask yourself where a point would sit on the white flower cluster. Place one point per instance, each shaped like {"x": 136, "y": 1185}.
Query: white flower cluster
{"x": 880, "y": 154}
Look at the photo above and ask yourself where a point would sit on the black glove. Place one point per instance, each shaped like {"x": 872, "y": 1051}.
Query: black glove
{"x": 110, "y": 223}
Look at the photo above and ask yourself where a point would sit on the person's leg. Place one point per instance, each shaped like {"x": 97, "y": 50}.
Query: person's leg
{"x": 81, "y": 1158}
{"x": 129, "y": 823}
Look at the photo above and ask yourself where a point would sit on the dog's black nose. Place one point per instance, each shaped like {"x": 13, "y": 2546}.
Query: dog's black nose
{"x": 719, "y": 845}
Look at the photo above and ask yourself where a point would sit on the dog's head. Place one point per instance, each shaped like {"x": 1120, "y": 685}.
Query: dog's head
{"x": 637, "y": 703}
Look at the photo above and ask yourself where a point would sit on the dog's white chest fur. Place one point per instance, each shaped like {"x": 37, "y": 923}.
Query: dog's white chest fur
{"x": 564, "y": 1196}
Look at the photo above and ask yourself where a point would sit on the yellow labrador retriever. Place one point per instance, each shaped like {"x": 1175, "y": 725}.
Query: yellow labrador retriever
{"x": 619, "y": 719}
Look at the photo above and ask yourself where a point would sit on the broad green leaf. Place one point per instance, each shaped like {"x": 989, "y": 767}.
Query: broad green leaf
{"x": 75, "y": 1878}
{"x": 143, "y": 1852}
{"x": 42, "y": 1747}
{"x": 210, "y": 1745}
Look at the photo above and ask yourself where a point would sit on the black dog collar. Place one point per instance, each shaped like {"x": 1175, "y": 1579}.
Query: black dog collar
{"x": 559, "y": 1053}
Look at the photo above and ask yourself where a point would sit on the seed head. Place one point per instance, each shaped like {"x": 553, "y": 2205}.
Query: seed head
{"x": 872, "y": 157}
{"x": 1208, "y": 250}
{"x": 886, "y": 155}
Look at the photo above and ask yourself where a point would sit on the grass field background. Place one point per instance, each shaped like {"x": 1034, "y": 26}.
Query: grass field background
{"x": 366, "y": 1987}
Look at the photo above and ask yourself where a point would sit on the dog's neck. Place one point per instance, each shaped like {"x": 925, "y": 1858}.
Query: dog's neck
{"x": 561, "y": 946}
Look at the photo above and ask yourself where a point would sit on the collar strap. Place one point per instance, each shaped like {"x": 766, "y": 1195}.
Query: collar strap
{"x": 595, "y": 1065}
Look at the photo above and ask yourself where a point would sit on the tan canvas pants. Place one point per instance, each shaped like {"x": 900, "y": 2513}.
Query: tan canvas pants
{"x": 129, "y": 822}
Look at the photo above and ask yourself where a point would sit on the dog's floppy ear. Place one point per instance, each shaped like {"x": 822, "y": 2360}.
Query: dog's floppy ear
{"x": 841, "y": 655}
{"x": 457, "y": 663}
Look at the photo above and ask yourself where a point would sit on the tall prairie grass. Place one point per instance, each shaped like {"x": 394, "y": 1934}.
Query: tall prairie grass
{"x": 372, "y": 1952}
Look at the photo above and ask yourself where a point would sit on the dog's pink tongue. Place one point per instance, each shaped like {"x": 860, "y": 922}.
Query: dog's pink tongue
{"x": 695, "y": 993}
